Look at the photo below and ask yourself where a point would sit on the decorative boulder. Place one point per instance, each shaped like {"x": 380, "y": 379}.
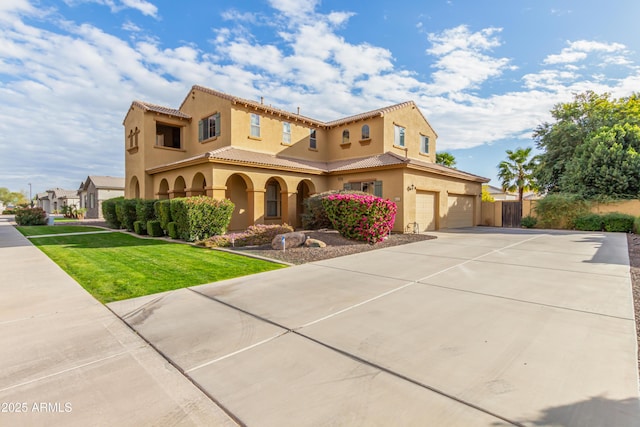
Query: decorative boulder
{"x": 315, "y": 243}
{"x": 291, "y": 240}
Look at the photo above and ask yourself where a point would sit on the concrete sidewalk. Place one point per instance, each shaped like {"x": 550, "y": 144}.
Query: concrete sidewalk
{"x": 66, "y": 360}
{"x": 480, "y": 327}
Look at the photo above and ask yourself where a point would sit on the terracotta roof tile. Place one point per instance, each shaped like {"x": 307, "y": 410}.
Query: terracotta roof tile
{"x": 146, "y": 106}
{"x": 107, "y": 181}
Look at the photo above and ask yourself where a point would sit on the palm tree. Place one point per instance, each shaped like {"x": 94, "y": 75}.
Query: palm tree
{"x": 516, "y": 173}
{"x": 446, "y": 159}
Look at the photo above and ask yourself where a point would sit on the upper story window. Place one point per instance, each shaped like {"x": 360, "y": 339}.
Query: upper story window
{"x": 312, "y": 139}
{"x": 286, "y": 133}
{"x": 167, "y": 136}
{"x": 345, "y": 136}
{"x": 424, "y": 144}
{"x": 398, "y": 136}
{"x": 209, "y": 127}
{"x": 365, "y": 132}
{"x": 255, "y": 125}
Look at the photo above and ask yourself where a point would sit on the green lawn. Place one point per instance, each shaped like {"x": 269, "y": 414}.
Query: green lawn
{"x": 38, "y": 230}
{"x": 117, "y": 266}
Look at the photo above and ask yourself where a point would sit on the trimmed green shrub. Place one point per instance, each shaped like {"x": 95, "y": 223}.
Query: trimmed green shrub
{"x": 172, "y": 230}
{"x": 126, "y": 212}
{"x": 200, "y": 217}
{"x": 315, "y": 216}
{"x": 109, "y": 212}
{"x": 560, "y": 210}
{"x": 145, "y": 212}
{"x": 154, "y": 229}
{"x": 255, "y": 235}
{"x": 589, "y": 222}
{"x": 138, "y": 228}
{"x": 615, "y": 221}
{"x": 529, "y": 221}
{"x": 360, "y": 217}
{"x": 30, "y": 216}
{"x": 163, "y": 212}
{"x": 636, "y": 225}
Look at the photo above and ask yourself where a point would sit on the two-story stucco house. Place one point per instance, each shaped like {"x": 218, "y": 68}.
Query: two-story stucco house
{"x": 267, "y": 160}
{"x": 96, "y": 189}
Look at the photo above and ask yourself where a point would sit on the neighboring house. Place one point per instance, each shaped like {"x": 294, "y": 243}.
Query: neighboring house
{"x": 54, "y": 199}
{"x": 498, "y": 194}
{"x": 96, "y": 189}
{"x": 267, "y": 160}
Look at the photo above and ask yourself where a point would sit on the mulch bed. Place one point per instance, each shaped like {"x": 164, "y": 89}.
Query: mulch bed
{"x": 633, "y": 241}
{"x": 336, "y": 246}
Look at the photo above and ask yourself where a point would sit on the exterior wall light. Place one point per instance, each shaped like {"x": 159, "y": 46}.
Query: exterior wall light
{"x": 411, "y": 187}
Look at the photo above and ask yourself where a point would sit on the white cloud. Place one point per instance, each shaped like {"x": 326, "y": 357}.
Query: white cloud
{"x": 65, "y": 90}
{"x": 579, "y": 50}
{"x": 462, "y": 63}
{"x": 145, "y": 7}
{"x": 130, "y": 26}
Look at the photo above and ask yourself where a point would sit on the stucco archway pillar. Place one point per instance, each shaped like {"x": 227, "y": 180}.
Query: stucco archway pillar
{"x": 255, "y": 200}
{"x": 218, "y": 192}
{"x": 289, "y": 207}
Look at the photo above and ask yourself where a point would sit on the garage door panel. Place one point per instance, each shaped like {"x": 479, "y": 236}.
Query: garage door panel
{"x": 460, "y": 211}
{"x": 426, "y": 210}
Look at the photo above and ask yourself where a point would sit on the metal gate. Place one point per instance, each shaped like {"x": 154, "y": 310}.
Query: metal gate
{"x": 511, "y": 214}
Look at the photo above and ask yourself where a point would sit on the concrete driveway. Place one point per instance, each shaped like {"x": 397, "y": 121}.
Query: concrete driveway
{"x": 479, "y": 327}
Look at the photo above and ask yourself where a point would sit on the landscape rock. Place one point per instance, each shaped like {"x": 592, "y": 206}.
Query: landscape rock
{"x": 291, "y": 240}
{"x": 315, "y": 243}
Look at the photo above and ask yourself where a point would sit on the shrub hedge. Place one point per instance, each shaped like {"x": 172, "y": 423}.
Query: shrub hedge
{"x": 109, "y": 212}
{"x": 200, "y": 217}
{"x": 529, "y": 221}
{"x": 154, "y": 229}
{"x": 360, "y": 217}
{"x": 315, "y": 216}
{"x": 163, "y": 212}
{"x": 138, "y": 227}
{"x": 589, "y": 222}
{"x": 560, "y": 210}
{"x": 636, "y": 225}
{"x": 172, "y": 230}
{"x": 145, "y": 212}
{"x": 126, "y": 213}
{"x": 30, "y": 216}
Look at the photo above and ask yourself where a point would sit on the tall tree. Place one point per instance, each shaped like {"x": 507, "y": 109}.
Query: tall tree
{"x": 446, "y": 159}
{"x": 516, "y": 173}
{"x": 574, "y": 123}
{"x": 9, "y": 197}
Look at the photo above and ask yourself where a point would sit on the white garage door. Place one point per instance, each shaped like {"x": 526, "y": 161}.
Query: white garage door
{"x": 426, "y": 210}
{"x": 460, "y": 213}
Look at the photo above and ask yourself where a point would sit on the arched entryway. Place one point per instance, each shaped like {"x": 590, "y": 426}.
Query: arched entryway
{"x": 303, "y": 191}
{"x": 198, "y": 185}
{"x": 134, "y": 188}
{"x": 237, "y": 191}
{"x": 179, "y": 188}
{"x": 163, "y": 191}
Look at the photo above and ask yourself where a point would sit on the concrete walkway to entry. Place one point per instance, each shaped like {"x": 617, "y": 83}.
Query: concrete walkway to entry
{"x": 480, "y": 327}
{"x": 66, "y": 360}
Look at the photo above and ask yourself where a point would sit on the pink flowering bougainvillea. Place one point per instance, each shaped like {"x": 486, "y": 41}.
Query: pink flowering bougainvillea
{"x": 360, "y": 217}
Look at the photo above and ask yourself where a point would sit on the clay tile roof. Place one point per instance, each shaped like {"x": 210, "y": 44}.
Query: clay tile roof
{"x": 256, "y": 105}
{"x": 62, "y": 193}
{"x": 264, "y": 159}
{"x": 385, "y": 159}
{"x": 146, "y": 106}
{"x": 369, "y": 114}
{"x": 443, "y": 170}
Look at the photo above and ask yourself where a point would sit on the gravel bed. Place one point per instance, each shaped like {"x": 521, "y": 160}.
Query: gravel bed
{"x": 633, "y": 241}
{"x": 336, "y": 246}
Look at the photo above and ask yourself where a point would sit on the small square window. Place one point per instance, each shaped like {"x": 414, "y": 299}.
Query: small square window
{"x": 424, "y": 144}
{"x": 399, "y": 135}
{"x": 255, "y": 125}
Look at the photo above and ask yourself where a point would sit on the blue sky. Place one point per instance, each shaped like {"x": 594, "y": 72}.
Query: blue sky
{"x": 485, "y": 74}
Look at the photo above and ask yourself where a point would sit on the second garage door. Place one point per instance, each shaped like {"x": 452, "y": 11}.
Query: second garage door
{"x": 460, "y": 212}
{"x": 426, "y": 210}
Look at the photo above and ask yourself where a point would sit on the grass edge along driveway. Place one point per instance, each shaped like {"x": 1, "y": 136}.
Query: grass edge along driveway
{"x": 116, "y": 266}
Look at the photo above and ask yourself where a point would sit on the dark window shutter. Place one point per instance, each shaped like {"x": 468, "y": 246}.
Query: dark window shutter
{"x": 201, "y": 127}
{"x": 377, "y": 189}
{"x": 217, "y": 119}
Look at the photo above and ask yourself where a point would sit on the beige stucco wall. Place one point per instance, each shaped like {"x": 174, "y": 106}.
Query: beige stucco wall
{"x": 415, "y": 125}
{"x": 443, "y": 187}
